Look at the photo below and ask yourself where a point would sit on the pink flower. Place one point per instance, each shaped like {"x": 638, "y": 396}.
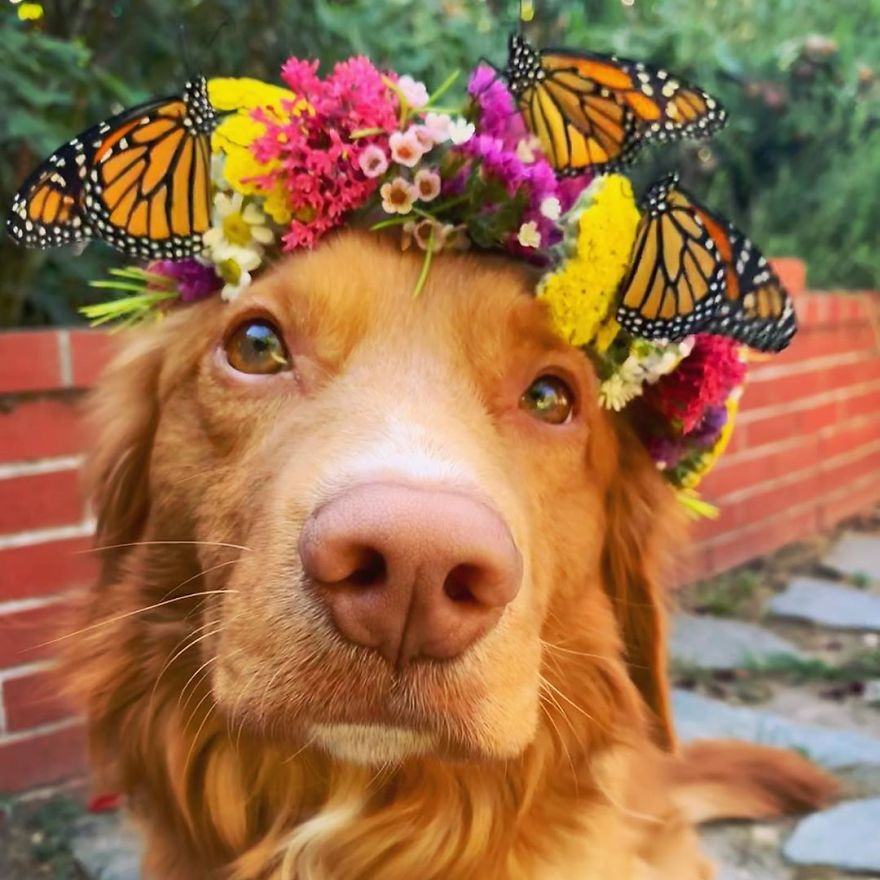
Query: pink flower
{"x": 398, "y": 196}
{"x": 322, "y": 169}
{"x": 406, "y": 147}
{"x": 373, "y": 161}
{"x": 414, "y": 92}
{"x": 427, "y": 183}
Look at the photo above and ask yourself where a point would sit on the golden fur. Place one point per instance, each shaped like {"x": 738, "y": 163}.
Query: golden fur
{"x": 251, "y": 740}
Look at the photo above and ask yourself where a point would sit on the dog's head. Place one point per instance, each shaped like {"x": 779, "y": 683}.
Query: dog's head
{"x": 403, "y": 525}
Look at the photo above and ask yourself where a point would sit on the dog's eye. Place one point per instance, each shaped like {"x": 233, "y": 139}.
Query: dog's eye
{"x": 549, "y": 399}
{"x": 256, "y": 347}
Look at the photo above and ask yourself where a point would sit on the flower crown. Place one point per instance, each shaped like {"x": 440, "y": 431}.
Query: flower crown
{"x": 377, "y": 149}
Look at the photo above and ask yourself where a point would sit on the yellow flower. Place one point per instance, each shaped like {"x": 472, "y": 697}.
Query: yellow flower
{"x": 30, "y": 11}
{"x": 581, "y": 292}
{"x": 239, "y": 97}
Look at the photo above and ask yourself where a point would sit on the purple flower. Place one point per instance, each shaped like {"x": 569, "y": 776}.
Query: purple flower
{"x": 710, "y": 426}
{"x": 497, "y": 112}
{"x": 195, "y": 281}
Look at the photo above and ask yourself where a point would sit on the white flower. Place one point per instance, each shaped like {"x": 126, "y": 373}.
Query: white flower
{"x": 238, "y": 232}
{"x": 398, "y": 196}
{"x": 526, "y": 149}
{"x": 615, "y": 392}
{"x": 406, "y": 147}
{"x": 237, "y": 278}
{"x": 551, "y": 208}
{"x": 414, "y": 92}
{"x": 427, "y": 184}
{"x": 373, "y": 161}
{"x": 460, "y": 131}
{"x": 218, "y": 171}
{"x": 528, "y": 235}
{"x": 437, "y": 126}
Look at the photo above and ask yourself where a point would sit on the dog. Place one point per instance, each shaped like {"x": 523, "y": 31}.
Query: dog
{"x": 381, "y": 593}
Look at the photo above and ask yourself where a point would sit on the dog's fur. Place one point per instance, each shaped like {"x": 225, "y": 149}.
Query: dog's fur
{"x": 251, "y": 739}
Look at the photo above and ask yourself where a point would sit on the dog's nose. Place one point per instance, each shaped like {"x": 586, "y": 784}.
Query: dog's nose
{"x": 411, "y": 572}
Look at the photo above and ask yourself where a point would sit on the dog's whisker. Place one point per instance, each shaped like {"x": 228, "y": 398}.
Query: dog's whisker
{"x": 103, "y": 547}
{"x": 169, "y": 663}
{"x": 118, "y": 617}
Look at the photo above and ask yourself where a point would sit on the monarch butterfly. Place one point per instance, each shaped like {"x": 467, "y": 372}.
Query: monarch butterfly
{"x": 594, "y": 111}
{"x": 692, "y": 271}
{"x": 139, "y": 181}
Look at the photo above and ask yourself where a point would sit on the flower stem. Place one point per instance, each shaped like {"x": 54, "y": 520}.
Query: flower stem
{"x": 443, "y": 88}
{"x": 426, "y": 265}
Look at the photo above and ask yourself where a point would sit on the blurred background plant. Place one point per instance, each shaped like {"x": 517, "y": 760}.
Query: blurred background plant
{"x": 798, "y": 166}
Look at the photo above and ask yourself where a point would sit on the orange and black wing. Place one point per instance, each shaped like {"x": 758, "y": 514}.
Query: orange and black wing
{"x": 148, "y": 189}
{"x": 675, "y": 281}
{"x": 580, "y": 124}
{"x": 46, "y": 211}
{"x": 756, "y": 309}
{"x": 595, "y": 111}
{"x": 139, "y": 181}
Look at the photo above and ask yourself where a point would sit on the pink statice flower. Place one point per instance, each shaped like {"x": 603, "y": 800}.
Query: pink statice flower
{"x": 312, "y": 153}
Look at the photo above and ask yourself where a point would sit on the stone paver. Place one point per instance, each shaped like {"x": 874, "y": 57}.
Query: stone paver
{"x": 846, "y": 837}
{"x": 828, "y": 604}
{"x": 106, "y": 848}
{"x": 743, "y": 851}
{"x": 699, "y": 717}
{"x": 856, "y": 554}
{"x": 718, "y": 643}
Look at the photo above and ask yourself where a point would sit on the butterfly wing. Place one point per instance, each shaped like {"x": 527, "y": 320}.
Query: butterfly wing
{"x": 595, "y": 111}
{"x": 576, "y": 119}
{"x": 46, "y": 211}
{"x": 676, "y": 277}
{"x": 756, "y": 309}
{"x": 666, "y": 107}
{"x": 140, "y": 181}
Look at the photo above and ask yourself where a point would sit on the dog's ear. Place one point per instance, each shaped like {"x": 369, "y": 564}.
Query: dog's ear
{"x": 644, "y": 526}
{"x": 123, "y": 414}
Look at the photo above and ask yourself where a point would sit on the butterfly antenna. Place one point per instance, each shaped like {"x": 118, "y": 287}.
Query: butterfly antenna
{"x": 183, "y": 42}
{"x": 225, "y": 23}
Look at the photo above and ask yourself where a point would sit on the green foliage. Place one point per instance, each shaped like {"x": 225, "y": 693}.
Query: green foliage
{"x": 799, "y": 165}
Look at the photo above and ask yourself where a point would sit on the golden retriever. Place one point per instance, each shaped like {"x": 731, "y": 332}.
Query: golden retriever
{"x": 381, "y": 593}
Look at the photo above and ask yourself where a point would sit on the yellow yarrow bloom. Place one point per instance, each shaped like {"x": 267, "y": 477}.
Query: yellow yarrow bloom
{"x": 30, "y": 11}
{"x": 582, "y": 291}
{"x": 239, "y": 97}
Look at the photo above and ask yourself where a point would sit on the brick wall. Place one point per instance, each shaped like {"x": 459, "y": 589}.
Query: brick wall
{"x": 805, "y": 454}
{"x": 45, "y": 530}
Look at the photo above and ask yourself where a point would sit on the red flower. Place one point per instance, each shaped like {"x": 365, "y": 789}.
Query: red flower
{"x": 703, "y": 379}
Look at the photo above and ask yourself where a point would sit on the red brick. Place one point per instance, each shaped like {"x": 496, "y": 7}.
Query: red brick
{"x": 90, "y": 350}
{"x": 835, "y": 507}
{"x": 27, "y": 636}
{"x": 863, "y": 404}
{"x": 40, "y": 569}
{"x": 849, "y": 436}
{"x": 40, "y": 500}
{"x": 43, "y": 759}
{"x": 35, "y": 699}
{"x": 790, "y": 425}
{"x": 43, "y": 428}
{"x": 30, "y": 361}
{"x": 792, "y": 273}
{"x": 734, "y": 476}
